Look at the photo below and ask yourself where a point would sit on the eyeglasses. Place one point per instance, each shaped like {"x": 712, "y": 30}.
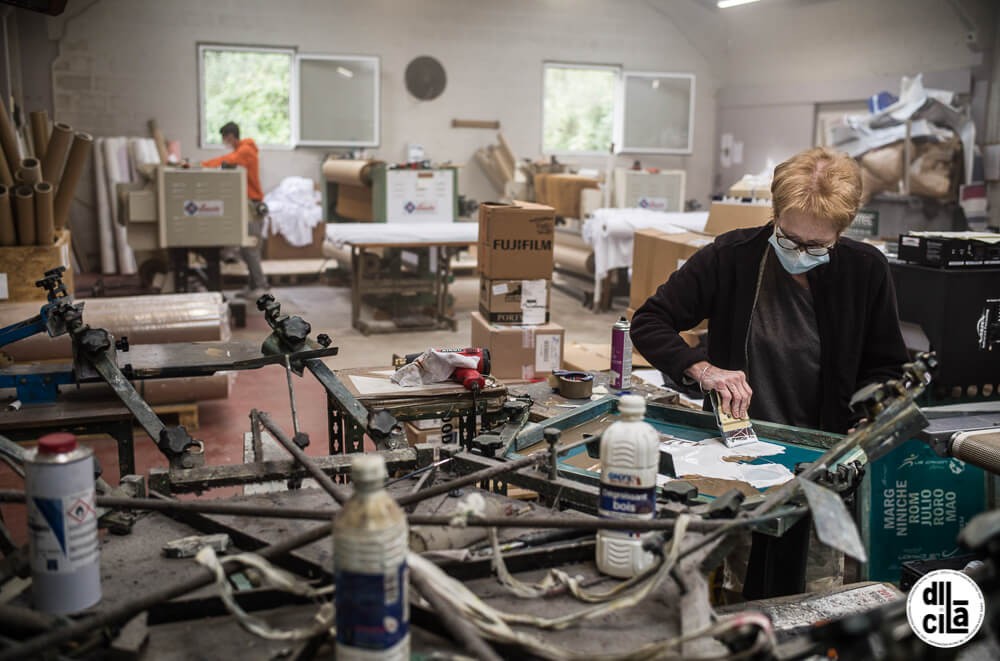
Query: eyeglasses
{"x": 789, "y": 244}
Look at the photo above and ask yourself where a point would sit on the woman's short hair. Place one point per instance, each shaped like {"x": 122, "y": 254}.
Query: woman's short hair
{"x": 819, "y": 182}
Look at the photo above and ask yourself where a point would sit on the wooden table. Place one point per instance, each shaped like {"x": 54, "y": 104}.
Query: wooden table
{"x": 79, "y": 417}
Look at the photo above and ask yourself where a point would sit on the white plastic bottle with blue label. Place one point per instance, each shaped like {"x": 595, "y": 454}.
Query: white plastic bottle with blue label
{"x": 370, "y": 543}
{"x": 630, "y": 460}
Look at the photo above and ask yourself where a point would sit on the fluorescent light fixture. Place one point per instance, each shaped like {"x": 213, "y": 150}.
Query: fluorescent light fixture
{"x": 726, "y": 4}
{"x": 345, "y": 72}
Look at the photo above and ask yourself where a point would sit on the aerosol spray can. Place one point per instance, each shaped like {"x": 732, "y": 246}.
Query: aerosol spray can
{"x": 62, "y": 525}
{"x": 370, "y": 543}
{"x": 630, "y": 460}
{"x": 621, "y": 355}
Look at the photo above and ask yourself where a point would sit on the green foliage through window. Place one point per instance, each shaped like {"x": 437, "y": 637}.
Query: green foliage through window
{"x": 579, "y": 105}
{"x": 251, "y": 88}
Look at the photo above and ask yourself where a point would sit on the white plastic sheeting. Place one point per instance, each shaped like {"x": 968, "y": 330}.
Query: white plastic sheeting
{"x": 118, "y": 160}
{"x": 402, "y": 233}
{"x": 293, "y": 210}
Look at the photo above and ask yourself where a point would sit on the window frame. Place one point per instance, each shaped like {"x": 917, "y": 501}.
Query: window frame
{"x": 616, "y": 69}
{"x": 292, "y": 92}
{"x": 297, "y": 81}
{"x": 620, "y": 107}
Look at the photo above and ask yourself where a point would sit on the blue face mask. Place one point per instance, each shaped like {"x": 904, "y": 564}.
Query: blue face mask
{"x": 797, "y": 261}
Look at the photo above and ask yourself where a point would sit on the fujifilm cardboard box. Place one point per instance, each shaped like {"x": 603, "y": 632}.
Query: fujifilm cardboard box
{"x": 515, "y": 240}
{"x": 519, "y": 352}
{"x": 515, "y": 301}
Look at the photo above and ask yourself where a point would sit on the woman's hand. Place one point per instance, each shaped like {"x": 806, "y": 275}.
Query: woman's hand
{"x": 732, "y": 386}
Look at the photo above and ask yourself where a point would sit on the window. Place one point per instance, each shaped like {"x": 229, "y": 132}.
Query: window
{"x": 249, "y": 86}
{"x": 586, "y": 108}
{"x": 284, "y": 99}
{"x": 578, "y": 108}
{"x": 657, "y": 113}
{"x": 338, "y": 101}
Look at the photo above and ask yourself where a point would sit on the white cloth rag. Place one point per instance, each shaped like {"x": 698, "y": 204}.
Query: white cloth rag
{"x": 432, "y": 367}
{"x": 293, "y": 210}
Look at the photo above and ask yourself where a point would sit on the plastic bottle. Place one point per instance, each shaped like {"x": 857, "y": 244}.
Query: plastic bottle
{"x": 369, "y": 559}
{"x": 630, "y": 459}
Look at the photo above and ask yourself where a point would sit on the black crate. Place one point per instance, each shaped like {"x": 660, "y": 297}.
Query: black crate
{"x": 949, "y": 252}
{"x": 957, "y": 310}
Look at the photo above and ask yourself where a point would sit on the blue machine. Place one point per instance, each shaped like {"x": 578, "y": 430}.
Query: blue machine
{"x": 41, "y": 386}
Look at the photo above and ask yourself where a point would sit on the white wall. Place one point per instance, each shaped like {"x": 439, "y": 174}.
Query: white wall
{"x": 122, "y": 62}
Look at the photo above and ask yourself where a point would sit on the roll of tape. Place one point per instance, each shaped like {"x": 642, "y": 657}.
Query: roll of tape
{"x": 575, "y": 385}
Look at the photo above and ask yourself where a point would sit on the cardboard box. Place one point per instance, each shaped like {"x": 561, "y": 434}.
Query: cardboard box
{"x": 515, "y": 240}
{"x": 276, "y": 247}
{"x": 594, "y": 357}
{"x": 22, "y": 266}
{"x": 515, "y": 301}
{"x": 655, "y": 256}
{"x": 519, "y": 352}
{"x": 726, "y": 216}
{"x": 562, "y": 192}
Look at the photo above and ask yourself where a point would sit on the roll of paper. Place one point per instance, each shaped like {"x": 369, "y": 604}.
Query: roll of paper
{"x": 39, "y": 132}
{"x": 351, "y": 173}
{"x": 24, "y": 206}
{"x": 199, "y": 317}
{"x": 44, "y": 214}
{"x": 55, "y": 153}
{"x": 6, "y": 176}
{"x": 79, "y": 152}
{"x": 8, "y": 233}
{"x": 8, "y": 138}
{"x": 30, "y": 171}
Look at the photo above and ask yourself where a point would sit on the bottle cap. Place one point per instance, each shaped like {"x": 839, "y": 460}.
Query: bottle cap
{"x": 368, "y": 468}
{"x": 57, "y": 443}
{"x": 632, "y": 405}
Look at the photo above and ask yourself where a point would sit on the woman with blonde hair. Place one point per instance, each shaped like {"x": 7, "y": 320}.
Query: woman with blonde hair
{"x": 799, "y": 316}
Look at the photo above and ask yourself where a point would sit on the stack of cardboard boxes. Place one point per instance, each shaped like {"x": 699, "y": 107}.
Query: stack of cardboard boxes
{"x": 515, "y": 286}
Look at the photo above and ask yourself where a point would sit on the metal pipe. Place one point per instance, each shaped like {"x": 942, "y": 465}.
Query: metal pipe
{"x": 126, "y": 611}
{"x": 313, "y": 514}
{"x": 471, "y": 478}
{"x": 462, "y": 630}
{"x": 336, "y": 492}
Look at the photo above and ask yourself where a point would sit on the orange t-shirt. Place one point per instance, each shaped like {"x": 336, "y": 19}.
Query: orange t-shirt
{"x": 245, "y": 155}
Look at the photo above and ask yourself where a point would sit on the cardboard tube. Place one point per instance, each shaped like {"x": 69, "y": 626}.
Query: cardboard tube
{"x": 8, "y": 234}
{"x": 45, "y": 225}
{"x": 24, "y": 204}
{"x": 8, "y": 138}
{"x": 55, "y": 153}
{"x": 30, "y": 171}
{"x": 6, "y": 177}
{"x": 79, "y": 152}
{"x": 39, "y": 132}
{"x": 158, "y": 139}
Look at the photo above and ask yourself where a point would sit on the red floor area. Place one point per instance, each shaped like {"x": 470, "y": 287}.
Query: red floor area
{"x": 222, "y": 425}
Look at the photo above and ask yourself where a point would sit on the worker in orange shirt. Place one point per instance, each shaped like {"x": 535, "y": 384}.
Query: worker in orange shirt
{"x": 244, "y": 155}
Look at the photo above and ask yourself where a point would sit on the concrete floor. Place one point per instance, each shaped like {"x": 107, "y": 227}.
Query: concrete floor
{"x": 328, "y": 309}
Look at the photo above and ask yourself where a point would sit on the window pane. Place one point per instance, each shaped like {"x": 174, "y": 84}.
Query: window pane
{"x": 337, "y": 100}
{"x": 578, "y": 109}
{"x": 657, "y": 112}
{"x": 251, "y": 88}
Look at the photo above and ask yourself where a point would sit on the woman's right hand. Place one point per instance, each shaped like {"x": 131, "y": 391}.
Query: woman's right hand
{"x": 732, "y": 386}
